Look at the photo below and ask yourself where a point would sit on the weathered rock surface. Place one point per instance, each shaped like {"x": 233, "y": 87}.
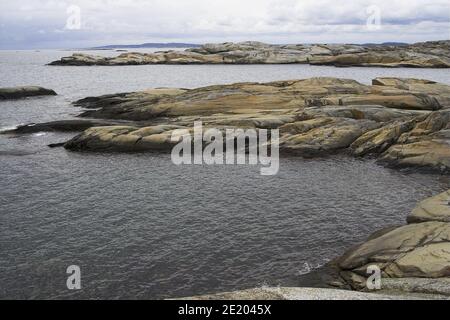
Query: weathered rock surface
{"x": 420, "y": 249}
{"x": 414, "y": 260}
{"x": 436, "y": 208}
{"x": 123, "y": 138}
{"x": 23, "y": 92}
{"x": 242, "y": 98}
{"x": 440, "y": 92}
{"x": 435, "y": 54}
{"x": 394, "y": 119}
{"x": 425, "y": 146}
{"x": 437, "y": 286}
{"x": 324, "y": 140}
{"x": 297, "y": 293}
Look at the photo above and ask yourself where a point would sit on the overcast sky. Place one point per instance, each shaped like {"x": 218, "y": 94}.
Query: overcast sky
{"x": 54, "y": 23}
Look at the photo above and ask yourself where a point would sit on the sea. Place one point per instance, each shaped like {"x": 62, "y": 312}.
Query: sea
{"x": 140, "y": 227}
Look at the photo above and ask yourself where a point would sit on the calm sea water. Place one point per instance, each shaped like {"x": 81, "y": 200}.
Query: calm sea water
{"x": 141, "y": 227}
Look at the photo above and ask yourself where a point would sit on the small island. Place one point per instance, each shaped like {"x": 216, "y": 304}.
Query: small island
{"x": 432, "y": 54}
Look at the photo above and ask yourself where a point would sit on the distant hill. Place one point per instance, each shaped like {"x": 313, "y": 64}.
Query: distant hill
{"x": 396, "y": 44}
{"x": 148, "y": 45}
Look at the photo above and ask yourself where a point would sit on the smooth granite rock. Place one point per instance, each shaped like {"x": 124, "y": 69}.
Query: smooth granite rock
{"x": 419, "y": 250}
{"x": 436, "y": 208}
{"x": 393, "y": 119}
{"x": 58, "y": 126}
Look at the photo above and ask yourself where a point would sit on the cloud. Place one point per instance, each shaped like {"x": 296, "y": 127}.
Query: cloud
{"x": 41, "y": 23}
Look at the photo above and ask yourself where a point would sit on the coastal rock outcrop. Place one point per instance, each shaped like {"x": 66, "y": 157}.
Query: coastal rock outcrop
{"x": 425, "y": 146}
{"x": 418, "y": 250}
{"x": 393, "y": 119}
{"x": 327, "y": 139}
{"x": 23, "y": 92}
{"x": 436, "y": 208}
{"x": 434, "y": 54}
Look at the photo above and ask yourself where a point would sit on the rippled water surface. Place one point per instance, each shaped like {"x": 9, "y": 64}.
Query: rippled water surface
{"x": 141, "y": 227}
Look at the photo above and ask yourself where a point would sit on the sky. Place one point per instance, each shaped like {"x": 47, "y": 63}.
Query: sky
{"x": 39, "y": 24}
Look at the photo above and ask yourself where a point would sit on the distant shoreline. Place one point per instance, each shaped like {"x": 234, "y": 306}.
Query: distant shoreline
{"x": 155, "y": 45}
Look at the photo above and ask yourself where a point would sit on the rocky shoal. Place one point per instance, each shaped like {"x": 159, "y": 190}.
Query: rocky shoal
{"x": 433, "y": 54}
{"x": 23, "y": 92}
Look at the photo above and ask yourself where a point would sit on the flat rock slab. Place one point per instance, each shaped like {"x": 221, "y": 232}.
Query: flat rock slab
{"x": 296, "y": 293}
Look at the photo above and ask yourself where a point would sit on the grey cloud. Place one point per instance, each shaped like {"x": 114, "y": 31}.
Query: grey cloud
{"x": 40, "y": 23}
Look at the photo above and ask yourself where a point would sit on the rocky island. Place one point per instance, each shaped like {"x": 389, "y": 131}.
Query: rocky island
{"x": 433, "y": 54}
{"x": 402, "y": 122}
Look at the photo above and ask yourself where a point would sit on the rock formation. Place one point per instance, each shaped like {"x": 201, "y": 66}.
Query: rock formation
{"x": 23, "y": 92}
{"x": 413, "y": 258}
{"x": 435, "y": 54}
{"x": 403, "y": 122}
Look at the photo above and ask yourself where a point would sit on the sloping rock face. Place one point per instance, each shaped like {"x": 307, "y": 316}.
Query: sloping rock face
{"x": 124, "y": 138}
{"x": 23, "y": 92}
{"x": 425, "y": 146}
{"x": 419, "y": 250}
{"x": 433, "y": 209}
{"x": 421, "y": 55}
{"x": 403, "y": 122}
{"x": 339, "y": 134}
